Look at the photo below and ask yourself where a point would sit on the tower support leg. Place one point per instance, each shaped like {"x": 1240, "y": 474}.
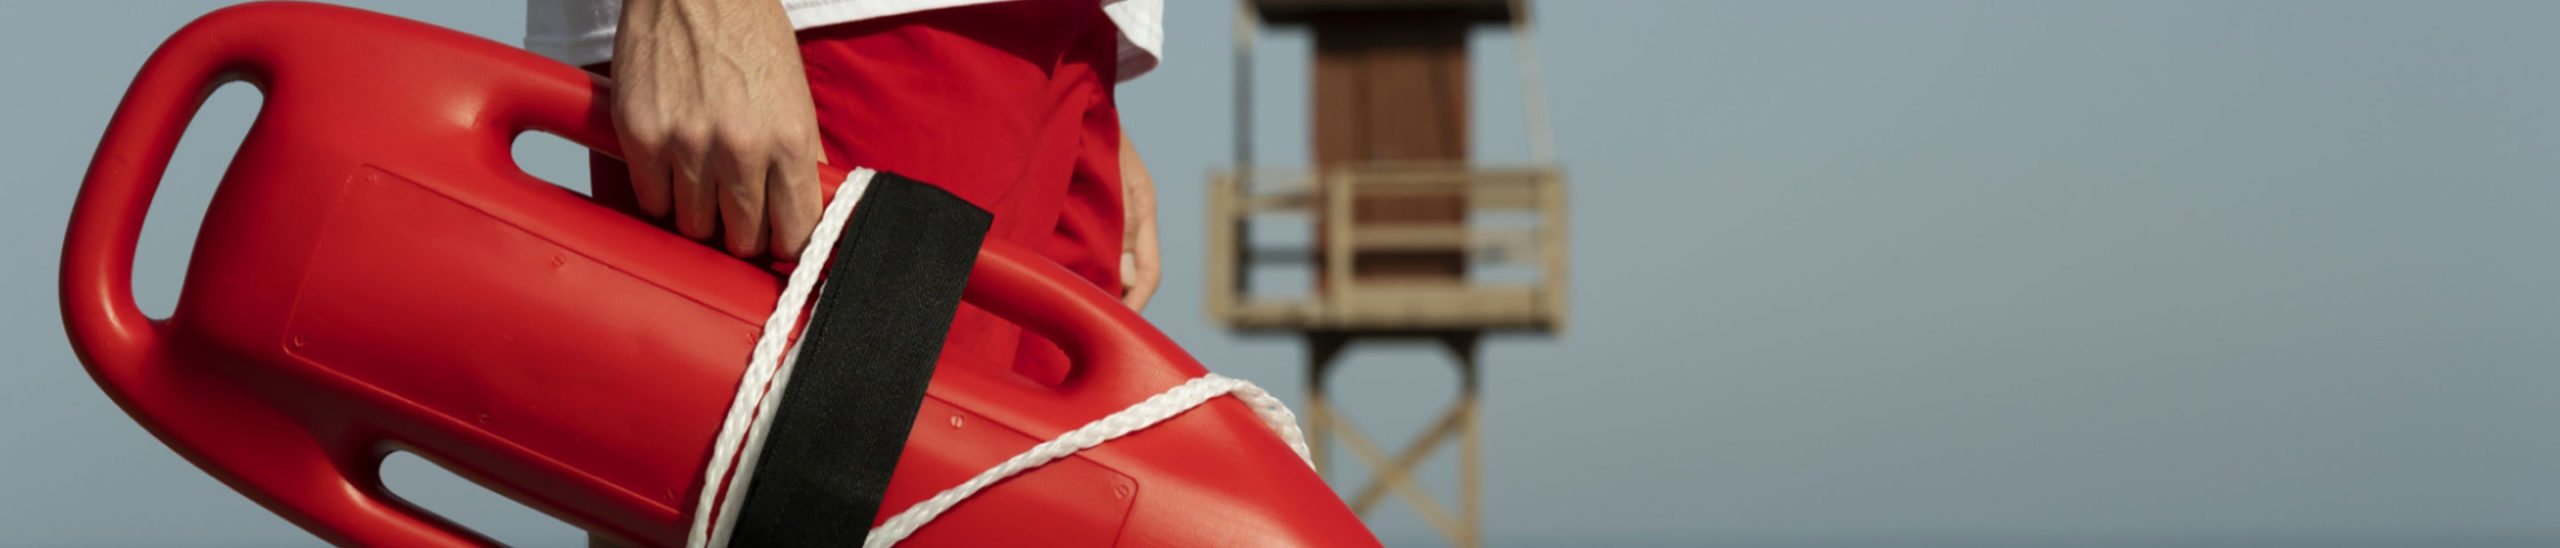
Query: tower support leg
{"x": 1463, "y": 345}
{"x": 1460, "y": 424}
{"x": 1322, "y": 348}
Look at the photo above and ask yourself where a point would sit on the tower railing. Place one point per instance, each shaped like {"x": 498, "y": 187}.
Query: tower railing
{"x": 1514, "y": 217}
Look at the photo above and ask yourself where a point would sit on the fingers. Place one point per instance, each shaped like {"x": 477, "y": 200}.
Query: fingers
{"x": 643, "y": 149}
{"x": 695, "y": 192}
{"x": 763, "y": 198}
{"x": 795, "y": 203}
{"x": 649, "y": 181}
{"x": 1140, "y": 266}
{"x": 742, "y": 200}
{"x": 1137, "y": 281}
{"x": 1143, "y": 270}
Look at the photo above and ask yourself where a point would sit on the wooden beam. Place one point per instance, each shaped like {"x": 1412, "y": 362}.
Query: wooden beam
{"x": 1414, "y": 452}
{"x": 1406, "y": 238}
{"x": 1401, "y": 481}
{"x": 1227, "y": 267}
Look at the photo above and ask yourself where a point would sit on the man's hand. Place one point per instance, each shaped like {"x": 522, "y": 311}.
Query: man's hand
{"x": 714, "y": 115}
{"x": 1140, "y": 264}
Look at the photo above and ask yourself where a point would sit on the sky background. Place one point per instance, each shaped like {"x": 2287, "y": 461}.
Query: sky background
{"x": 1846, "y": 273}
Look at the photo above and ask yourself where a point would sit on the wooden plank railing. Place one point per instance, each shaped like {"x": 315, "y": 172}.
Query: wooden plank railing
{"x": 1348, "y": 302}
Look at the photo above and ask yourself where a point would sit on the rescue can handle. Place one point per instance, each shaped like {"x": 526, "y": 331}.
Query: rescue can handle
{"x": 1099, "y": 334}
{"x": 239, "y": 438}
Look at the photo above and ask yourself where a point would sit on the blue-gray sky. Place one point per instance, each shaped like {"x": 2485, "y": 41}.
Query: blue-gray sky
{"x": 1847, "y": 273}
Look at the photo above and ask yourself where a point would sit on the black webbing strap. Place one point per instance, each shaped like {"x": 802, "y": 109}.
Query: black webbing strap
{"x": 863, "y": 365}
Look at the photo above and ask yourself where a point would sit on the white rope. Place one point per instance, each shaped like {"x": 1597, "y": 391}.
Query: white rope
{"x": 1137, "y": 417}
{"x": 746, "y": 413}
{"x": 768, "y": 375}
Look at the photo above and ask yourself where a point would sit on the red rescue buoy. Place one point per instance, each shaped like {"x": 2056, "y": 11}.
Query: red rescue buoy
{"x": 376, "y": 274}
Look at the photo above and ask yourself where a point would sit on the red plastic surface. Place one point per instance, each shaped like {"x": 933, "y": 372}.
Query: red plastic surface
{"x": 375, "y": 274}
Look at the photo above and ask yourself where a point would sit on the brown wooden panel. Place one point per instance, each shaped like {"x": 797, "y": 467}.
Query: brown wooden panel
{"x": 1391, "y": 87}
{"x": 1339, "y": 109}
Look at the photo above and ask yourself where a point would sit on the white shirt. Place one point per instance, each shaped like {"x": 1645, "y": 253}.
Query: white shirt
{"x": 580, "y": 32}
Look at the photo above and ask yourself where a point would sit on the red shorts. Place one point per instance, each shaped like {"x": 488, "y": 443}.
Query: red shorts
{"x": 1008, "y": 105}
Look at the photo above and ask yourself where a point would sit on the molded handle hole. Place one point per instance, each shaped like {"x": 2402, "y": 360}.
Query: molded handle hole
{"x": 195, "y": 169}
{"x": 1039, "y": 359}
{"x": 553, "y": 159}
{"x": 440, "y": 491}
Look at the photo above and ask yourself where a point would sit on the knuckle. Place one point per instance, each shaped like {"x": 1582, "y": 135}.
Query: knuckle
{"x": 690, "y": 139}
{"x": 640, "y": 125}
{"x": 628, "y": 113}
{"x": 638, "y": 140}
{"x": 736, "y": 143}
{"x": 795, "y": 153}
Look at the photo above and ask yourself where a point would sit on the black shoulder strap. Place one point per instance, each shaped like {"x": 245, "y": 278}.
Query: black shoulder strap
{"x": 864, "y": 362}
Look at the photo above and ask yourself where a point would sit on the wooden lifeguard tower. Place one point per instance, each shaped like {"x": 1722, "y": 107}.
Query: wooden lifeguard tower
{"x": 1411, "y": 239}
